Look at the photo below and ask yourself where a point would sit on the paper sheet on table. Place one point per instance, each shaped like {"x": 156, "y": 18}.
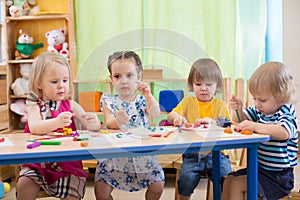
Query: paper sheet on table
{"x": 6, "y": 143}
{"x": 134, "y": 134}
{"x": 219, "y": 134}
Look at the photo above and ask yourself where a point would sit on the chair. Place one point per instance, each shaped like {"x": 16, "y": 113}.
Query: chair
{"x": 41, "y": 194}
{"x": 292, "y": 196}
{"x": 168, "y": 99}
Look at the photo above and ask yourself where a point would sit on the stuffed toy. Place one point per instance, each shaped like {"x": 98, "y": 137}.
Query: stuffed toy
{"x": 21, "y": 85}
{"x": 24, "y": 45}
{"x": 18, "y": 107}
{"x": 57, "y": 42}
{"x": 18, "y": 8}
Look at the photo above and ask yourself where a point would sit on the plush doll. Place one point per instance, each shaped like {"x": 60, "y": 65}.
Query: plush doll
{"x": 18, "y": 8}
{"x": 24, "y": 45}
{"x": 21, "y": 85}
{"x": 18, "y": 107}
{"x": 57, "y": 42}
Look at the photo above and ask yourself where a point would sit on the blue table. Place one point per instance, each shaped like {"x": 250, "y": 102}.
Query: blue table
{"x": 101, "y": 147}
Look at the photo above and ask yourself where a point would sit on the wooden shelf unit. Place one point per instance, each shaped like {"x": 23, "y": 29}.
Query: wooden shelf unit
{"x": 54, "y": 14}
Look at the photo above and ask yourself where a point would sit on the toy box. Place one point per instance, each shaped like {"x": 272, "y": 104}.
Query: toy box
{"x": 152, "y": 74}
{"x": 3, "y": 117}
{"x": 3, "y": 96}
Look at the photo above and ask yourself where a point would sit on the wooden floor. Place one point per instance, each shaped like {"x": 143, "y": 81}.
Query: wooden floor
{"x": 168, "y": 194}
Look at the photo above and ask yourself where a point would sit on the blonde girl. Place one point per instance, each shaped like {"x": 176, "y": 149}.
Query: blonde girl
{"x": 49, "y": 109}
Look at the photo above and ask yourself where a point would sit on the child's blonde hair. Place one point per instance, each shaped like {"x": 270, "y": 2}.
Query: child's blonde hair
{"x": 274, "y": 78}
{"x": 39, "y": 66}
{"x": 206, "y": 69}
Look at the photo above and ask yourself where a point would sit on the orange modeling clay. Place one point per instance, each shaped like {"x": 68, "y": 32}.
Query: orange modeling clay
{"x": 246, "y": 132}
{"x": 84, "y": 144}
{"x": 228, "y": 130}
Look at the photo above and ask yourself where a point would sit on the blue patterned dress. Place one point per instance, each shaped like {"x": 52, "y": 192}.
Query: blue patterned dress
{"x": 133, "y": 173}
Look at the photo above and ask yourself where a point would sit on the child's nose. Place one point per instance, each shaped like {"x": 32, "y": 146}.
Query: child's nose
{"x": 203, "y": 87}
{"x": 123, "y": 79}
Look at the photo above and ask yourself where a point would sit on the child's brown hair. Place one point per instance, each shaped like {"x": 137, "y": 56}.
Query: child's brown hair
{"x": 206, "y": 69}
{"x": 125, "y": 55}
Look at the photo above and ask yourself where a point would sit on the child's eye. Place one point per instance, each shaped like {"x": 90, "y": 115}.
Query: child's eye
{"x": 117, "y": 76}
{"x": 53, "y": 82}
{"x": 65, "y": 80}
{"x": 129, "y": 75}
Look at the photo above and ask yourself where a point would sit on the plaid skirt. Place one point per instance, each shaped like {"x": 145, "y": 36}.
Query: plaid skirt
{"x": 65, "y": 187}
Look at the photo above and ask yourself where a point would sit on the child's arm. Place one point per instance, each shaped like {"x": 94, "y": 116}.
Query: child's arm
{"x": 114, "y": 122}
{"x": 275, "y": 131}
{"x": 152, "y": 106}
{"x": 176, "y": 119}
{"x": 39, "y": 126}
{"x": 236, "y": 105}
{"x": 87, "y": 119}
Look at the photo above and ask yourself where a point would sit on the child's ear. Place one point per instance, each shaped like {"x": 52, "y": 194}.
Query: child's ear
{"x": 140, "y": 76}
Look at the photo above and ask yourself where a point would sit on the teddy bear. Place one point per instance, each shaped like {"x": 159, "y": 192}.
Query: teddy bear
{"x": 18, "y": 107}
{"x": 24, "y": 46}
{"x": 57, "y": 41}
{"x": 21, "y": 85}
{"x": 18, "y": 8}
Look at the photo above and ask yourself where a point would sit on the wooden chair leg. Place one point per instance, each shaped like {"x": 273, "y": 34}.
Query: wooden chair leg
{"x": 209, "y": 190}
{"x": 176, "y": 185}
{"x": 177, "y": 166}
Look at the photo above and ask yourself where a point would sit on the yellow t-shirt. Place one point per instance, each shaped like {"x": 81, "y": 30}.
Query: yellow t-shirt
{"x": 192, "y": 109}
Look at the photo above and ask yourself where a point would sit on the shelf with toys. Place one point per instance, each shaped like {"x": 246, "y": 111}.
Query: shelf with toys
{"x": 31, "y": 29}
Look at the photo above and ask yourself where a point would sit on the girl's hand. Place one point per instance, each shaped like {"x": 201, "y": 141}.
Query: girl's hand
{"x": 179, "y": 120}
{"x": 90, "y": 117}
{"x": 121, "y": 117}
{"x": 235, "y": 103}
{"x": 92, "y": 122}
{"x": 143, "y": 88}
{"x": 64, "y": 119}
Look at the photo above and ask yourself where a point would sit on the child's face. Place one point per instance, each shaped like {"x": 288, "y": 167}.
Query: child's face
{"x": 204, "y": 90}
{"x": 124, "y": 77}
{"x": 55, "y": 82}
{"x": 266, "y": 103}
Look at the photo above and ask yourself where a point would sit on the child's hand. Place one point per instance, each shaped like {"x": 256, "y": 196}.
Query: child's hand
{"x": 90, "y": 117}
{"x": 92, "y": 122}
{"x": 247, "y": 125}
{"x": 179, "y": 120}
{"x": 121, "y": 117}
{"x": 64, "y": 119}
{"x": 235, "y": 103}
{"x": 205, "y": 120}
{"x": 143, "y": 88}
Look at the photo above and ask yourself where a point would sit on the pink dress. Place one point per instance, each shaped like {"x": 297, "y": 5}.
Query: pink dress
{"x": 52, "y": 171}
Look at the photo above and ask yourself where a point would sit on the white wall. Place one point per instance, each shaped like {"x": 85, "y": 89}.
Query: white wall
{"x": 291, "y": 42}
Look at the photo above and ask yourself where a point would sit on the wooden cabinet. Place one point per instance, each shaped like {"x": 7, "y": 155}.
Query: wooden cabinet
{"x": 53, "y": 15}
{"x": 3, "y": 73}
